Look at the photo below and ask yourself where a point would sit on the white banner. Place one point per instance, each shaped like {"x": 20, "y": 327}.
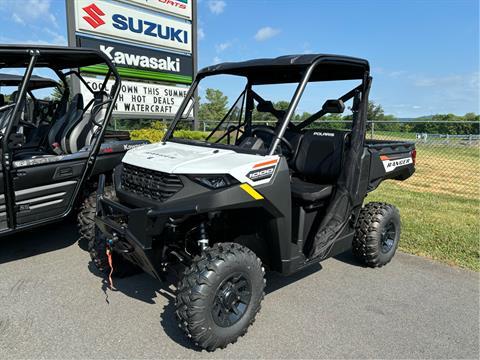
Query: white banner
{"x": 181, "y": 8}
{"x": 118, "y": 21}
{"x": 138, "y": 98}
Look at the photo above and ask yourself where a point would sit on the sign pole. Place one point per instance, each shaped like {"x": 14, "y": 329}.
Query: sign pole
{"x": 195, "y": 60}
{"x": 72, "y": 41}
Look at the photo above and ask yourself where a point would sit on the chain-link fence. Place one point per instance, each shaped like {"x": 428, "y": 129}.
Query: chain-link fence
{"x": 447, "y": 163}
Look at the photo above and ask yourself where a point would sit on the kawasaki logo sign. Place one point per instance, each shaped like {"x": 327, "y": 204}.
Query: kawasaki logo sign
{"x": 105, "y": 18}
{"x": 140, "y": 58}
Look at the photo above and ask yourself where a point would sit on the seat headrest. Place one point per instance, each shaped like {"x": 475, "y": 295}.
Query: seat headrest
{"x": 14, "y": 96}
{"x": 319, "y": 156}
{"x": 100, "y": 96}
{"x": 77, "y": 102}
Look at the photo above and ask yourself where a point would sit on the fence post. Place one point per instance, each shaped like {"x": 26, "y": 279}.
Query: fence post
{"x": 372, "y": 130}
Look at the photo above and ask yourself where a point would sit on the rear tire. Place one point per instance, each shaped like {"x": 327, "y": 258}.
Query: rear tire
{"x": 377, "y": 234}
{"x": 220, "y": 295}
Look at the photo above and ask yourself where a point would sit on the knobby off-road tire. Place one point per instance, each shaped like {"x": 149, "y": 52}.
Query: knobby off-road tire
{"x": 377, "y": 234}
{"x": 97, "y": 245}
{"x": 219, "y": 295}
{"x": 86, "y": 214}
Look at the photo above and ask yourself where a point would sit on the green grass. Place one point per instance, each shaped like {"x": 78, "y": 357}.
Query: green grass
{"x": 439, "y": 226}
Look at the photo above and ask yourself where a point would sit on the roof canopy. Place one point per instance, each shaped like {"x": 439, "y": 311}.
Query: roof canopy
{"x": 36, "y": 82}
{"x": 55, "y": 57}
{"x": 290, "y": 68}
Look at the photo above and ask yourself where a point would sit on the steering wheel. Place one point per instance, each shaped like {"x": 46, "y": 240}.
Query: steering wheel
{"x": 274, "y": 135}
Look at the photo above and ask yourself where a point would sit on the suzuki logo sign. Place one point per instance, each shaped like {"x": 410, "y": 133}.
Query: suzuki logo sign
{"x": 115, "y": 20}
{"x": 94, "y": 14}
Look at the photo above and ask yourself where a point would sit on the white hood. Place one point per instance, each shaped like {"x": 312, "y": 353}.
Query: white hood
{"x": 177, "y": 158}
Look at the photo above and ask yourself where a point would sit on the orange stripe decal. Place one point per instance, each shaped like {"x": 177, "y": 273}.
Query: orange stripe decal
{"x": 384, "y": 157}
{"x": 271, "y": 162}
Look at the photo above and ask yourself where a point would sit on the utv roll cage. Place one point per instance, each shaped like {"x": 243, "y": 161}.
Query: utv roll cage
{"x": 36, "y": 82}
{"x": 300, "y": 69}
{"x": 63, "y": 61}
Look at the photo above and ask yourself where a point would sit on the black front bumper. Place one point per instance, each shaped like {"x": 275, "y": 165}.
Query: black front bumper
{"x": 134, "y": 229}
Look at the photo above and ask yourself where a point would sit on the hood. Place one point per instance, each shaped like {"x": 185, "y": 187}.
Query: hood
{"x": 177, "y": 158}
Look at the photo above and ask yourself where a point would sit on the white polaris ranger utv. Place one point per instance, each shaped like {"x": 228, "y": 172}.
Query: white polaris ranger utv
{"x": 251, "y": 196}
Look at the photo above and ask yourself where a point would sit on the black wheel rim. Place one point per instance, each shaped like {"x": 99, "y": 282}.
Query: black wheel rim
{"x": 389, "y": 235}
{"x": 231, "y": 300}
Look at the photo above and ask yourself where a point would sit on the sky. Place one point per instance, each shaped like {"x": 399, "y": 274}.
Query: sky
{"x": 424, "y": 54}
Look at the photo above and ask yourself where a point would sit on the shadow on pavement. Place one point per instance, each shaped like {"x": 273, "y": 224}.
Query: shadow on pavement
{"x": 348, "y": 258}
{"x": 145, "y": 288}
{"x": 38, "y": 241}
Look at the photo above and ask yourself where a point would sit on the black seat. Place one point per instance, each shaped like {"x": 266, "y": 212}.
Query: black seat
{"x": 82, "y": 132}
{"x": 306, "y": 192}
{"x": 317, "y": 164}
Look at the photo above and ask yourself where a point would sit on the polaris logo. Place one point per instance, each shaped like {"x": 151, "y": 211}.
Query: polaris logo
{"x": 146, "y": 62}
{"x": 323, "y": 134}
{"x": 149, "y": 28}
{"x": 391, "y": 165}
{"x": 94, "y": 13}
{"x": 261, "y": 174}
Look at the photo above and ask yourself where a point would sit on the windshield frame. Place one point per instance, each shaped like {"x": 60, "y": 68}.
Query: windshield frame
{"x": 282, "y": 125}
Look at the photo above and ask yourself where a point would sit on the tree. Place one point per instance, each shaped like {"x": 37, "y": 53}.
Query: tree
{"x": 215, "y": 108}
{"x": 375, "y": 111}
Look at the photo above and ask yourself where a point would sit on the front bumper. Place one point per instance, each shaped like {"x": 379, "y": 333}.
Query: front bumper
{"x": 134, "y": 229}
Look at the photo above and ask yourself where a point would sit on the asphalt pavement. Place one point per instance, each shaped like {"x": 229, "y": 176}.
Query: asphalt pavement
{"x": 53, "y": 304}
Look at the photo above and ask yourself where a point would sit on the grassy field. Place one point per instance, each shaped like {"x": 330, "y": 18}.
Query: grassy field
{"x": 440, "y": 205}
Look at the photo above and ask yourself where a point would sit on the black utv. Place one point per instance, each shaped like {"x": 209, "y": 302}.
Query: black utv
{"x": 52, "y": 149}
{"x": 251, "y": 196}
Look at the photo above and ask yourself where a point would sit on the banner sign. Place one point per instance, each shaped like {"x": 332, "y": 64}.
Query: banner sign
{"x": 121, "y": 22}
{"x": 141, "y": 98}
{"x": 181, "y": 8}
{"x": 144, "y": 63}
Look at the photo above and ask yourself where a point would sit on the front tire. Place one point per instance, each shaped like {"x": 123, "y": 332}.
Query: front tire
{"x": 220, "y": 295}
{"x": 377, "y": 234}
{"x": 86, "y": 215}
{"x": 97, "y": 243}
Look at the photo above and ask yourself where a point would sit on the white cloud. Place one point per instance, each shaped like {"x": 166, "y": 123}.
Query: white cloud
{"x": 453, "y": 82}
{"x": 57, "y": 39}
{"x": 24, "y": 12}
{"x": 217, "y": 6}
{"x": 17, "y": 19}
{"x": 217, "y": 60}
{"x": 223, "y": 46}
{"x": 266, "y": 33}
{"x": 201, "y": 33}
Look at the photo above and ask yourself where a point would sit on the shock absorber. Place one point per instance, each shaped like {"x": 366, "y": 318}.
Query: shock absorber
{"x": 202, "y": 236}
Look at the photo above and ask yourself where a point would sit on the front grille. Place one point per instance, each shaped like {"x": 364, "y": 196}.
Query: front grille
{"x": 150, "y": 184}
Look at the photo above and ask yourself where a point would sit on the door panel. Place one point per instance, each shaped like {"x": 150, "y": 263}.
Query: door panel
{"x": 43, "y": 191}
{"x": 3, "y": 210}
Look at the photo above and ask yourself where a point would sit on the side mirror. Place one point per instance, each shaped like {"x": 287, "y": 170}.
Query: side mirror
{"x": 333, "y": 106}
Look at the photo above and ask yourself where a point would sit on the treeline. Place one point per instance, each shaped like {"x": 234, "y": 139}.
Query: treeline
{"x": 216, "y": 107}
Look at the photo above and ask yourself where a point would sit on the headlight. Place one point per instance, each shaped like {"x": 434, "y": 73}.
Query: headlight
{"x": 214, "y": 181}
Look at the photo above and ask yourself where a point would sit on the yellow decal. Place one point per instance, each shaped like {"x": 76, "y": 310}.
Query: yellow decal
{"x": 251, "y": 191}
